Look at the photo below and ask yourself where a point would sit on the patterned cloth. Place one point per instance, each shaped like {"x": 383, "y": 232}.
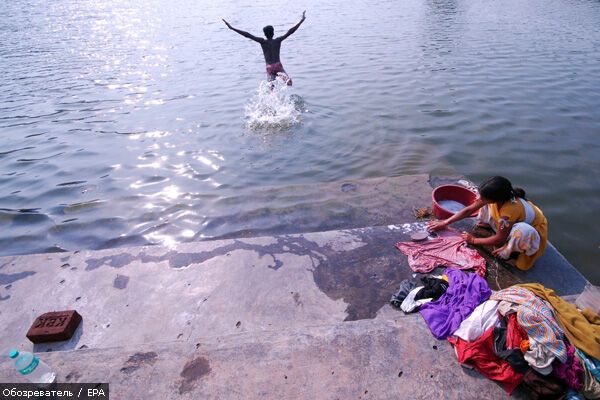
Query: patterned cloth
{"x": 537, "y": 318}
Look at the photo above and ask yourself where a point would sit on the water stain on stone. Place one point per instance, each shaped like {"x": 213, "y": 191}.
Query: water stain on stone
{"x": 73, "y": 375}
{"x": 116, "y": 261}
{"x": 11, "y": 278}
{"x": 121, "y": 281}
{"x": 365, "y": 277}
{"x": 347, "y": 187}
{"x": 181, "y": 260}
{"x": 137, "y": 360}
{"x": 297, "y": 300}
{"x": 192, "y": 371}
{"x": 2, "y": 298}
{"x": 283, "y": 244}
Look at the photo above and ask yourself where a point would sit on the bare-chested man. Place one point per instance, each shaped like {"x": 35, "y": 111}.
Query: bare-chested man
{"x": 271, "y": 47}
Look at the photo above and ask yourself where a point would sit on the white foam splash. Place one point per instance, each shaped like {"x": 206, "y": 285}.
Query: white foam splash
{"x": 274, "y": 107}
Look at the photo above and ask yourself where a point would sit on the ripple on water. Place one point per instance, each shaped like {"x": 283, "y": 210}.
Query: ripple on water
{"x": 134, "y": 111}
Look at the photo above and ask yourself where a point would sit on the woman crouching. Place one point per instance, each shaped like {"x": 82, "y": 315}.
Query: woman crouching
{"x": 519, "y": 225}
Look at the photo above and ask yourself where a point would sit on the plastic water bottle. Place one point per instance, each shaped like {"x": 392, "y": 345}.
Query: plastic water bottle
{"x": 31, "y": 367}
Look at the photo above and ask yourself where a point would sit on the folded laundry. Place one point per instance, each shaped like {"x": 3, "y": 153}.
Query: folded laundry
{"x": 483, "y": 317}
{"x": 536, "y": 317}
{"x": 464, "y": 294}
{"x": 480, "y": 354}
{"x": 449, "y": 250}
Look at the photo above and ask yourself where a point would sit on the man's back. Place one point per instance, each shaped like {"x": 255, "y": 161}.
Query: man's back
{"x": 271, "y": 49}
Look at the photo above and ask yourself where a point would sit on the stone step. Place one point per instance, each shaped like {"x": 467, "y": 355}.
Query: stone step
{"x": 365, "y": 359}
{"x": 326, "y": 206}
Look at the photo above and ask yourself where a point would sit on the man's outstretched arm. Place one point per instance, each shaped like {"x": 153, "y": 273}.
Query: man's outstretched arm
{"x": 243, "y": 33}
{"x": 294, "y": 28}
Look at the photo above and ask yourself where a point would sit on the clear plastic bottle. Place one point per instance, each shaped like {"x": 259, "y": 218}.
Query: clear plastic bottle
{"x": 31, "y": 367}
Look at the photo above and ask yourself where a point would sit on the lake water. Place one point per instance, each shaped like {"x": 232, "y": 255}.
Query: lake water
{"x": 127, "y": 123}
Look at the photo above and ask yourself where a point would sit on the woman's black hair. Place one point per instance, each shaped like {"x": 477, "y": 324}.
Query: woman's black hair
{"x": 499, "y": 190}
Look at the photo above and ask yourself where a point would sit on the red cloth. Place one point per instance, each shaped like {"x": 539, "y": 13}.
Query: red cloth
{"x": 273, "y": 70}
{"x": 451, "y": 251}
{"x": 514, "y": 333}
{"x": 480, "y": 354}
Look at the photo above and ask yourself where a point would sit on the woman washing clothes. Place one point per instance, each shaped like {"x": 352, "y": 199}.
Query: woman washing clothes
{"x": 519, "y": 226}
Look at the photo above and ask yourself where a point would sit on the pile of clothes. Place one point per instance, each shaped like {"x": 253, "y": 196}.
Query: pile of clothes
{"x": 522, "y": 335}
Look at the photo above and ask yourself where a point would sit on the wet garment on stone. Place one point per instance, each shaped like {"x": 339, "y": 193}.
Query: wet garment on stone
{"x": 448, "y": 250}
{"x": 483, "y": 317}
{"x": 570, "y": 372}
{"x": 536, "y": 317}
{"x": 480, "y": 354}
{"x": 410, "y": 304}
{"x": 543, "y": 387}
{"x": 405, "y": 287}
{"x": 582, "y": 328}
{"x": 464, "y": 294}
{"x": 433, "y": 288}
{"x": 591, "y": 385}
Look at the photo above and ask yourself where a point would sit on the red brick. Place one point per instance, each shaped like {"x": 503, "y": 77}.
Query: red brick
{"x": 54, "y": 326}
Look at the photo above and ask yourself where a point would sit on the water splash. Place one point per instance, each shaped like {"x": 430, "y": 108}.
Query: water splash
{"x": 274, "y": 107}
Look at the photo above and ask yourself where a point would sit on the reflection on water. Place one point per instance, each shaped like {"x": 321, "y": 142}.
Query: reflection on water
{"x": 127, "y": 123}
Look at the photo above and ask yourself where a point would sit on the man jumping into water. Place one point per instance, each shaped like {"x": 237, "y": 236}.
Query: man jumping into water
{"x": 270, "y": 48}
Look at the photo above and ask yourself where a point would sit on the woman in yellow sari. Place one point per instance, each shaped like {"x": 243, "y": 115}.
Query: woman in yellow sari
{"x": 519, "y": 225}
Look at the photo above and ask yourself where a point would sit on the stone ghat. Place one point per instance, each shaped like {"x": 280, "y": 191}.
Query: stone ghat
{"x": 301, "y": 315}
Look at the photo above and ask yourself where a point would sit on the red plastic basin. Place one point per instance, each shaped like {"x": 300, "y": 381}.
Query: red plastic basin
{"x": 451, "y": 192}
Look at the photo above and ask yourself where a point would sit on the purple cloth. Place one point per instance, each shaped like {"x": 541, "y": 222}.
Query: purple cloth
{"x": 570, "y": 372}
{"x": 466, "y": 291}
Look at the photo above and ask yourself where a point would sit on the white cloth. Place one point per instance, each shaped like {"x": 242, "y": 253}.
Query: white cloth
{"x": 529, "y": 211}
{"x": 506, "y": 307}
{"x": 409, "y": 304}
{"x": 539, "y": 358}
{"x": 483, "y": 317}
{"x": 523, "y": 237}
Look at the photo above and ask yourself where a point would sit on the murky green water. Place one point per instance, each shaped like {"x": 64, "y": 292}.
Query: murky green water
{"x": 125, "y": 123}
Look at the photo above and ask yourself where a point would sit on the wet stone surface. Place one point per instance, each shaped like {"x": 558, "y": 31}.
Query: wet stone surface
{"x": 192, "y": 372}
